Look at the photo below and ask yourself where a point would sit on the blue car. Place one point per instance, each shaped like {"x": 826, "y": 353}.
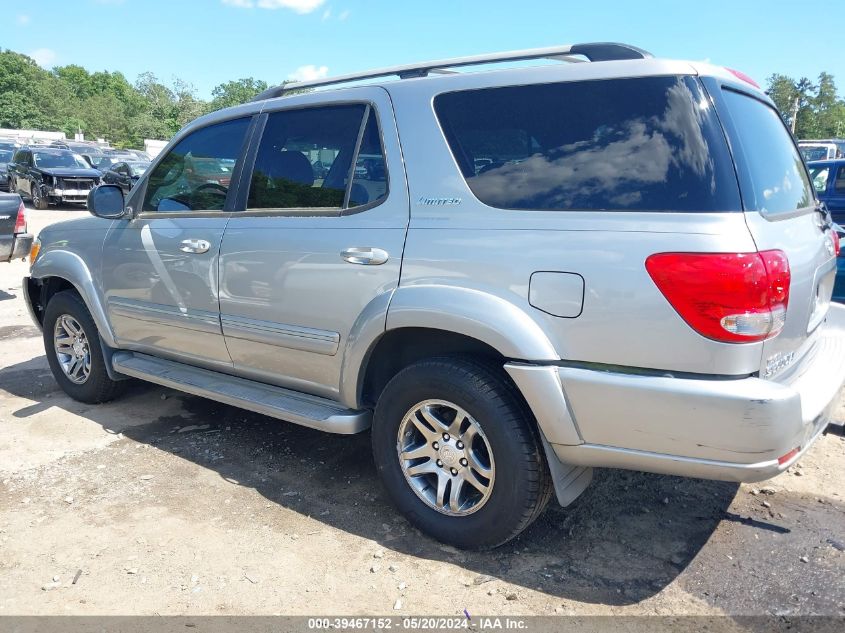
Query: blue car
{"x": 829, "y": 182}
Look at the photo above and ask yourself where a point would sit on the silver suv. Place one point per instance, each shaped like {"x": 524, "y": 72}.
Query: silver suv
{"x": 510, "y": 277}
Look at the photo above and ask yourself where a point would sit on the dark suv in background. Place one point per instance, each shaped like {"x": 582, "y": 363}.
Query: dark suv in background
{"x": 50, "y": 175}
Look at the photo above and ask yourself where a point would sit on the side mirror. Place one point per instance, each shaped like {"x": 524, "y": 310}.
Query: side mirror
{"x": 106, "y": 201}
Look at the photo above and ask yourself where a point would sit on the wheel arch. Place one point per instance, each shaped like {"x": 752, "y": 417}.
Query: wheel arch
{"x": 450, "y": 320}
{"x": 59, "y": 270}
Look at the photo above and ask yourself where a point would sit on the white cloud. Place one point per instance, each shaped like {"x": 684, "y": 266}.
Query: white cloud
{"x": 44, "y": 57}
{"x": 327, "y": 14}
{"x": 343, "y": 15}
{"x": 22, "y": 20}
{"x": 298, "y": 6}
{"x": 309, "y": 73}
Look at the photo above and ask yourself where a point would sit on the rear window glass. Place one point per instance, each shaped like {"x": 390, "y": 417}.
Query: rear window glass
{"x": 642, "y": 144}
{"x": 771, "y": 171}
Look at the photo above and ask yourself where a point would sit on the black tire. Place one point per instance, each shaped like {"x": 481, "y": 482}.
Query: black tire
{"x": 98, "y": 387}
{"x": 522, "y": 484}
{"x": 12, "y": 186}
{"x": 39, "y": 201}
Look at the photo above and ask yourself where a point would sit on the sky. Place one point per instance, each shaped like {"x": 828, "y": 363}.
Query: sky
{"x": 208, "y": 42}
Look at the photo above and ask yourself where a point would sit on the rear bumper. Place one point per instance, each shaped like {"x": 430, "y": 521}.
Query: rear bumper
{"x": 15, "y": 247}
{"x": 733, "y": 430}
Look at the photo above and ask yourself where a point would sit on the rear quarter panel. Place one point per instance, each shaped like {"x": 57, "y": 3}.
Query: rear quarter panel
{"x": 625, "y": 320}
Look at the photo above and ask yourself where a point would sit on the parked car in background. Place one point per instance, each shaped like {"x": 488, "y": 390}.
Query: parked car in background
{"x": 140, "y": 155}
{"x": 103, "y": 163}
{"x": 827, "y": 149}
{"x": 828, "y": 178}
{"x": 5, "y": 158}
{"x": 125, "y": 174}
{"x": 15, "y": 242}
{"x": 50, "y": 176}
{"x": 615, "y": 288}
{"x": 88, "y": 151}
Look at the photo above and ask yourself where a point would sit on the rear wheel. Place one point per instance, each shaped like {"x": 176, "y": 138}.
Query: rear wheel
{"x": 457, "y": 452}
{"x": 39, "y": 200}
{"x": 73, "y": 350}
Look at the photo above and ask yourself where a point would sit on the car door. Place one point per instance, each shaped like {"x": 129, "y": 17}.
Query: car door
{"x": 836, "y": 193}
{"x": 319, "y": 243}
{"x": 23, "y": 160}
{"x": 160, "y": 267}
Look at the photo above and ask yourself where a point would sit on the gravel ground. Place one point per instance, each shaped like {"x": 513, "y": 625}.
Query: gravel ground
{"x": 163, "y": 503}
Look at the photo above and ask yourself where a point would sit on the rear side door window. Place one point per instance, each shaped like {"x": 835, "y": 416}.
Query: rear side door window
{"x": 324, "y": 159}
{"x": 197, "y": 173}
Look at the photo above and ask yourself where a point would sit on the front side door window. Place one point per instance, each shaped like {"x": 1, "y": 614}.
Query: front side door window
{"x": 197, "y": 173}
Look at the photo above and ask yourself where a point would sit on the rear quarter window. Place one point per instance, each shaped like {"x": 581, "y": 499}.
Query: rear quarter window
{"x": 640, "y": 144}
{"x": 772, "y": 173}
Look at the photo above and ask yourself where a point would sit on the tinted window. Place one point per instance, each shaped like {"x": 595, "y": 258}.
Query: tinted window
{"x": 820, "y": 176}
{"x": 772, "y": 173}
{"x": 839, "y": 183}
{"x": 304, "y": 158}
{"x": 622, "y": 144}
{"x": 196, "y": 174}
{"x": 5, "y": 155}
{"x": 369, "y": 180}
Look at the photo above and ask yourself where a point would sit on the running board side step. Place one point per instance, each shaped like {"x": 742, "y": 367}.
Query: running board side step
{"x": 276, "y": 402}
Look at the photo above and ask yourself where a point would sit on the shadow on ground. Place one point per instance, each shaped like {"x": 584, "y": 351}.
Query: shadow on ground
{"x": 626, "y": 538}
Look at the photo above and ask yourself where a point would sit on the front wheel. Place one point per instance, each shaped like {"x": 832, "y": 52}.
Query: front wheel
{"x": 457, "y": 452}
{"x": 39, "y": 201}
{"x": 73, "y": 350}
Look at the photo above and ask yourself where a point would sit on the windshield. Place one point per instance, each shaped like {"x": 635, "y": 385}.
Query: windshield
{"x": 5, "y": 155}
{"x": 138, "y": 168}
{"x": 48, "y": 161}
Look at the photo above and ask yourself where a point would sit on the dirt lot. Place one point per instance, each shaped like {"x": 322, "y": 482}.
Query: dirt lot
{"x": 161, "y": 503}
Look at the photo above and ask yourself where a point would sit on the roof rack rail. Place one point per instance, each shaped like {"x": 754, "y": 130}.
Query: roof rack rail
{"x": 594, "y": 52}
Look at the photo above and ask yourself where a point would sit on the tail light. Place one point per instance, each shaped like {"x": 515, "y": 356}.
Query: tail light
{"x": 20, "y": 222}
{"x": 728, "y": 297}
{"x": 837, "y": 247}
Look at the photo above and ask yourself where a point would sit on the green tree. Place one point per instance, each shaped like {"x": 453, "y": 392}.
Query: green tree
{"x": 812, "y": 110}
{"x": 234, "y": 93}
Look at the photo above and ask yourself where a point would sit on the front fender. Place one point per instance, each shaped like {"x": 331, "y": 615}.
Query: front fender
{"x": 72, "y": 268}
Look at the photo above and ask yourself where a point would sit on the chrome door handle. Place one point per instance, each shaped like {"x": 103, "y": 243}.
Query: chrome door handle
{"x": 194, "y": 246}
{"x": 365, "y": 255}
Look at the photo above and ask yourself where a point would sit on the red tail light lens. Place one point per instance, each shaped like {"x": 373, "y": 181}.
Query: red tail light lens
{"x": 20, "y": 222}
{"x": 837, "y": 247}
{"x": 728, "y": 297}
